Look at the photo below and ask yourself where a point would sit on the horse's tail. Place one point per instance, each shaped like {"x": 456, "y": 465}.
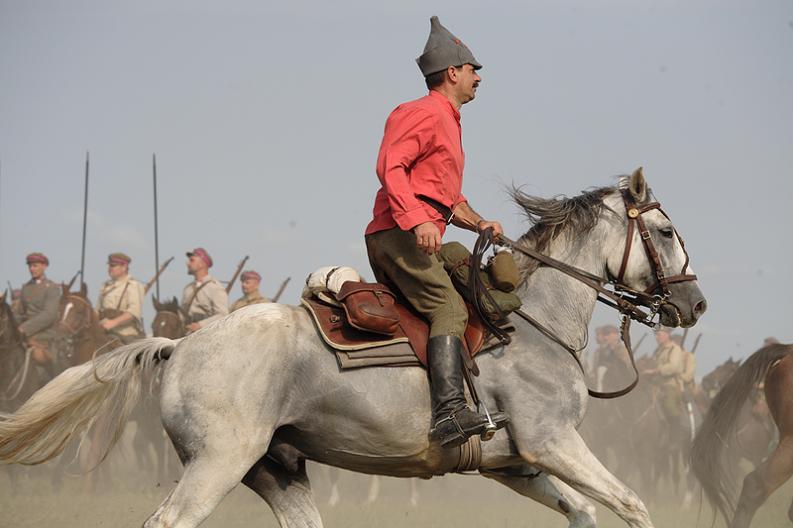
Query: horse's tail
{"x": 102, "y": 392}
{"x": 707, "y": 454}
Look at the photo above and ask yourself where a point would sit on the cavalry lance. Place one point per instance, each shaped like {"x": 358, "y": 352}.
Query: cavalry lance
{"x": 236, "y": 273}
{"x": 157, "y": 268}
{"x": 85, "y": 221}
{"x": 74, "y": 278}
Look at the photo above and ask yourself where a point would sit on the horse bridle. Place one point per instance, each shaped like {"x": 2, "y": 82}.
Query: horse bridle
{"x": 658, "y": 294}
{"x": 629, "y": 302}
{"x": 174, "y": 315}
{"x": 73, "y": 331}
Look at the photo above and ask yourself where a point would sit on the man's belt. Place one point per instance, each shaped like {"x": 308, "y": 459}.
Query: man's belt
{"x": 110, "y": 313}
{"x": 445, "y": 212}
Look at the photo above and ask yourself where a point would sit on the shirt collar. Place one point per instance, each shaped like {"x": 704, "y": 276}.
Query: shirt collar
{"x": 206, "y": 279}
{"x": 448, "y": 104}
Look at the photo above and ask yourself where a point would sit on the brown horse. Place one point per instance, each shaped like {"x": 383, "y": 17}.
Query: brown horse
{"x": 168, "y": 322}
{"x": 714, "y": 381}
{"x": 19, "y": 378}
{"x": 79, "y": 324}
{"x": 773, "y": 367}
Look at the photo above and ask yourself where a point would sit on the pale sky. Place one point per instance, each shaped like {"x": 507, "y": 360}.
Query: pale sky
{"x": 266, "y": 119}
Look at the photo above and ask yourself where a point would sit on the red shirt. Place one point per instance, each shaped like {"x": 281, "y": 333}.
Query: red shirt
{"x": 421, "y": 154}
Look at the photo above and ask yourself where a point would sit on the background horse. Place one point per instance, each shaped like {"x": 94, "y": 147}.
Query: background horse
{"x": 79, "y": 324}
{"x": 713, "y": 446}
{"x": 19, "y": 378}
{"x": 251, "y": 397}
{"x": 167, "y": 322}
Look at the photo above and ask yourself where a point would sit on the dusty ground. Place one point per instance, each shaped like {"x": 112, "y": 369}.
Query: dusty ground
{"x": 457, "y": 501}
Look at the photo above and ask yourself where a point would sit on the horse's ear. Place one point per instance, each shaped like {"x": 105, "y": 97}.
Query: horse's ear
{"x": 64, "y": 289}
{"x": 2, "y": 297}
{"x": 157, "y": 305}
{"x": 638, "y": 186}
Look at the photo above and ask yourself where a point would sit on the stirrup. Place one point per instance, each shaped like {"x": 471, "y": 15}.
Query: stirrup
{"x": 490, "y": 427}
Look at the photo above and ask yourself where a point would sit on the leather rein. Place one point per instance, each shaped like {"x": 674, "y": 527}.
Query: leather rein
{"x": 641, "y": 306}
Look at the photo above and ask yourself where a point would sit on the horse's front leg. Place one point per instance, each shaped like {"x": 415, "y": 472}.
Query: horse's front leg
{"x": 564, "y": 454}
{"x": 548, "y": 491}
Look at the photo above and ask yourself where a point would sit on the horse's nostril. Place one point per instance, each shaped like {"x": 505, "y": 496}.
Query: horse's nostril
{"x": 700, "y": 307}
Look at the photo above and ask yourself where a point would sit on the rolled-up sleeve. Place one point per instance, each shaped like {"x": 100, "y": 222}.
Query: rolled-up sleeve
{"x": 408, "y": 135}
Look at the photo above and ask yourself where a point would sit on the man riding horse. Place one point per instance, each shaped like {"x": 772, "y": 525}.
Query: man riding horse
{"x": 120, "y": 301}
{"x": 37, "y": 313}
{"x": 420, "y": 167}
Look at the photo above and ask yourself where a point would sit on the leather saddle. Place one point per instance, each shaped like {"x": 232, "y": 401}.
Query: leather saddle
{"x": 356, "y": 348}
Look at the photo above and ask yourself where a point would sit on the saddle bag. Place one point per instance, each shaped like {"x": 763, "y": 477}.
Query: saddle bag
{"x": 457, "y": 261}
{"x": 503, "y": 270}
{"x": 369, "y": 307}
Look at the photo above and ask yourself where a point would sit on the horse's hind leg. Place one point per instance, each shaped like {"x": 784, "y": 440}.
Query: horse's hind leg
{"x": 206, "y": 480}
{"x": 216, "y": 458}
{"x": 567, "y": 456}
{"x": 763, "y": 481}
{"x": 287, "y": 492}
{"x": 553, "y": 493}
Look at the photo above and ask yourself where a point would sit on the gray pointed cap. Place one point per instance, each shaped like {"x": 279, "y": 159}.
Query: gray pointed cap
{"x": 443, "y": 50}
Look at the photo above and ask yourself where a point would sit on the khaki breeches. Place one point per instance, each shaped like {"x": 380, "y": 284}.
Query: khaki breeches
{"x": 397, "y": 260}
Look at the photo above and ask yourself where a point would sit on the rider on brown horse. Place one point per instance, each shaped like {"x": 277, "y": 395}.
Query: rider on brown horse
{"x": 120, "y": 301}
{"x": 420, "y": 167}
{"x": 37, "y": 313}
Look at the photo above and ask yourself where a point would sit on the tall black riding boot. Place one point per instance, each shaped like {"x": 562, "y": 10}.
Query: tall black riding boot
{"x": 452, "y": 421}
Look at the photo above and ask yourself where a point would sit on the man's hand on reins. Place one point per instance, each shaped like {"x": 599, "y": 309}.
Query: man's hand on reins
{"x": 428, "y": 237}
{"x": 484, "y": 224}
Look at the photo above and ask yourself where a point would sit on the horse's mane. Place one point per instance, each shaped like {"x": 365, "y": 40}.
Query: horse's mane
{"x": 553, "y": 216}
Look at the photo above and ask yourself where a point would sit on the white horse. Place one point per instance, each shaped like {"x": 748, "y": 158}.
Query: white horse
{"x": 253, "y": 396}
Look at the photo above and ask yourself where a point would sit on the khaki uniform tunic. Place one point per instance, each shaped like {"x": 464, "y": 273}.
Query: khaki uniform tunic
{"x": 38, "y": 309}
{"x": 671, "y": 361}
{"x": 247, "y": 300}
{"x": 125, "y": 295}
{"x": 209, "y": 304}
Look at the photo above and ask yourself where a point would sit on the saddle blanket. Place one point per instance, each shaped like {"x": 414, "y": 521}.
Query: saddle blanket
{"x": 408, "y": 347}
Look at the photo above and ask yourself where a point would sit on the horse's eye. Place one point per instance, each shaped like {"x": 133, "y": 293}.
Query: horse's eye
{"x": 667, "y": 232}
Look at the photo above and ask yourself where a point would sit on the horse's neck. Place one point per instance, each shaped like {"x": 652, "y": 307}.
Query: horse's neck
{"x": 11, "y": 336}
{"x": 561, "y": 303}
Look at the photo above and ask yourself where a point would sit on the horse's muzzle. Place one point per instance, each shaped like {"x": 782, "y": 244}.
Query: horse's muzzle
{"x": 685, "y": 306}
